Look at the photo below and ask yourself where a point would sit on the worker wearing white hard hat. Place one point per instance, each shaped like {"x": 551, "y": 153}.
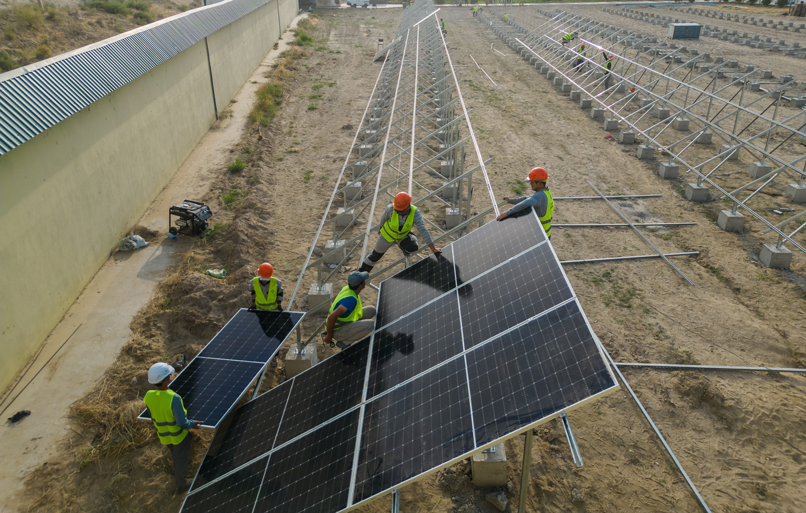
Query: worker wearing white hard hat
{"x": 170, "y": 418}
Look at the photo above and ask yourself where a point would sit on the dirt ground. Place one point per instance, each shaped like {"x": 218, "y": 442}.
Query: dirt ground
{"x": 739, "y": 436}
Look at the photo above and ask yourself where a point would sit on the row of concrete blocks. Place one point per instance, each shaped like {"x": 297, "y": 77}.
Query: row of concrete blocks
{"x": 780, "y": 25}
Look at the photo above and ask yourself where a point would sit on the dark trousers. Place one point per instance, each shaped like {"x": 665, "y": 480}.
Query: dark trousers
{"x": 408, "y": 245}
{"x": 181, "y": 455}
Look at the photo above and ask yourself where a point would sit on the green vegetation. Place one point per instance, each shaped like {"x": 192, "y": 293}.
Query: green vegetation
{"x": 42, "y": 52}
{"x": 218, "y": 228}
{"x": 6, "y": 62}
{"x": 518, "y": 186}
{"x": 314, "y": 97}
{"x": 317, "y": 87}
{"x": 183, "y": 7}
{"x": 237, "y": 166}
{"x": 9, "y": 34}
{"x": 312, "y": 106}
{"x": 331, "y": 84}
{"x": 138, "y": 9}
{"x": 303, "y": 38}
{"x": 29, "y": 15}
{"x": 307, "y": 176}
{"x": 248, "y": 150}
{"x": 269, "y": 97}
{"x": 233, "y": 196}
{"x": 321, "y": 48}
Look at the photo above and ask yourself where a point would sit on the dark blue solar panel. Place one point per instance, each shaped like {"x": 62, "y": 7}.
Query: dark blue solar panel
{"x": 252, "y": 335}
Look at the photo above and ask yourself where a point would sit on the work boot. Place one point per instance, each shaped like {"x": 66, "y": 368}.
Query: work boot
{"x": 365, "y": 268}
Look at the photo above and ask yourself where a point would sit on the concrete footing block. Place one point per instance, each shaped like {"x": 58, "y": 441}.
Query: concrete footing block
{"x": 344, "y": 218}
{"x": 359, "y": 169}
{"x": 320, "y": 294}
{"x": 446, "y": 167}
{"x": 339, "y": 254}
{"x": 696, "y": 193}
{"x": 490, "y": 468}
{"x": 797, "y": 103}
{"x": 796, "y": 193}
{"x": 597, "y": 113}
{"x": 645, "y": 152}
{"x": 575, "y": 95}
{"x": 626, "y": 137}
{"x": 585, "y": 103}
{"x": 757, "y": 170}
{"x": 668, "y": 171}
{"x": 730, "y": 221}
{"x": 450, "y": 192}
{"x": 565, "y": 89}
{"x": 662, "y": 113}
{"x": 734, "y": 151}
{"x": 610, "y": 125}
{"x": 704, "y": 137}
{"x": 365, "y": 150}
{"x": 681, "y": 124}
{"x": 296, "y": 362}
{"x": 558, "y": 81}
{"x": 453, "y": 217}
{"x": 774, "y": 257}
{"x": 550, "y": 75}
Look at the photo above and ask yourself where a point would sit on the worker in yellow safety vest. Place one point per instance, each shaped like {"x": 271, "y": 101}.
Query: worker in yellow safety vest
{"x": 608, "y": 68}
{"x": 541, "y": 201}
{"x": 169, "y": 415}
{"x": 506, "y": 16}
{"x": 442, "y": 25}
{"x": 569, "y": 37}
{"x": 267, "y": 292}
{"x": 396, "y": 224}
{"x": 348, "y": 320}
{"x": 475, "y": 10}
{"x": 581, "y": 58}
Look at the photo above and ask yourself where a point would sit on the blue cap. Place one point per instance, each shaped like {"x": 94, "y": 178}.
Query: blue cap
{"x": 357, "y": 278}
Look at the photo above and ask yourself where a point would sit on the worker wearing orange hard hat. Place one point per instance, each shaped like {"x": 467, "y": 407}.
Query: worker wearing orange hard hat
{"x": 541, "y": 201}
{"x": 581, "y": 58}
{"x": 396, "y": 223}
{"x": 267, "y": 292}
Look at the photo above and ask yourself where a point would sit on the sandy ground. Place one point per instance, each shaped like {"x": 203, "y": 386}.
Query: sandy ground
{"x": 739, "y": 436}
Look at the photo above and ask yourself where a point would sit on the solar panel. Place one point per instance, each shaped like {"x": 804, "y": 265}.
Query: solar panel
{"x": 235, "y": 493}
{"x": 213, "y": 382}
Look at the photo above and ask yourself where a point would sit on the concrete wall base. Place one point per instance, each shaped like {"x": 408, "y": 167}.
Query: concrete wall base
{"x": 626, "y": 137}
{"x": 795, "y": 192}
{"x": 757, "y": 170}
{"x": 610, "y": 125}
{"x": 645, "y": 152}
{"x": 668, "y": 171}
{"x": 339, "y": 255}
{"x": 318, "y": 295}
{"x": 696, "y": 193}
{"x": 490, "y": 468}
{"x": 730, "y": 221}
{"x": 296, "y": 363}
{"x": 453, "y": 217}
{"x": 775, "y": 258}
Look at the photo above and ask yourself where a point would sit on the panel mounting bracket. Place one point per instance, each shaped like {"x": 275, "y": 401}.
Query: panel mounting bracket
{"x": 572, "y": 442}
{"x": 395, "y": 501}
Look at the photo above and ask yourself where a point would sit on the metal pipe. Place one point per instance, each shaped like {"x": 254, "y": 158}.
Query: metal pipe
{"x": 617, "y": 225}
{"x": 633, "y": 257}
{"x": 671, "y": 366}
{"x": 525, "y": 470}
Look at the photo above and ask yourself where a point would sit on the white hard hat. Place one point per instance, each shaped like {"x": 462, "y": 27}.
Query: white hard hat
{"x": 158, "y": 372}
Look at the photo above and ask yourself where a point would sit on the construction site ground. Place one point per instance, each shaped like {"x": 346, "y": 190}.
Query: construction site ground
{"x": 738, "y": 435}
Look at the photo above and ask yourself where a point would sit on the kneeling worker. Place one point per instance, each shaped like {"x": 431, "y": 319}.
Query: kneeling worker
{"x": 396, "y": 223}
{"x": 541, "y": 200}
{"x": 170, "y": 418}
{"x": 348, "y": 319}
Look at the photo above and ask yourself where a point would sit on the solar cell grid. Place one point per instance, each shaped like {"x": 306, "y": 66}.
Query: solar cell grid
{"x": 324, "y": 391}
{"x": 235, "y": 493}
{"x": 414, "y": 344}
{"x": 534, "y": 371}
{"x": 249, "y": 432}
{"x": 411, "y": 288}
{"x": 252, "y": 336}
{"x": 512, "y": 293}
{"x": 312, "y": 473}
{"x": 414, "y": 428}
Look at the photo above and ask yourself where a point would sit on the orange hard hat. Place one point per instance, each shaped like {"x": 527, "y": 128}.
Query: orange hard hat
{"x": 537, "y": 174}
{"x": 402, "y": 201}
{"x": 583, "y": 46}
{"x": 265, "y": 270}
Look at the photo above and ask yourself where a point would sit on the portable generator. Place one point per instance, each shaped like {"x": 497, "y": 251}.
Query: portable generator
{"x": 192, "y": 219}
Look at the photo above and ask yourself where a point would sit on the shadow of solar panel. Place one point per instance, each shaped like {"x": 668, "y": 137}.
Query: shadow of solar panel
{"x": 209, "y": 388}
{"x": 246, "y": 434}
{"x": 251, "y": 335}
{"x": 312, "y": 473}
{"x": 414, "y": 344}
{"x": 415, "y": 286}
{"x": 235, "y": 493}
{"x": 494, "y": 243}
{"x": 413, "y": 429}
{"x": 532, "y": 372}
{"x": 519, "y": 289}
{"x": 325, "y": 390}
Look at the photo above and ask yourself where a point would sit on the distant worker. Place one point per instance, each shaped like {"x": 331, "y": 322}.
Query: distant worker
{"x": 170, "y": 418}
{"x": 267, "y": 293}
{"x": 475, "y": 10}
{"x": 506, "y": 16}
{"x": 569, "y": 37}
{"x": 580, "y": 58}
{"x": 608, "y": 68}
{"x": 541, "y": 200}
{"x": 348, "y": 320}
{"x": 396, "y": 224}
{"x": 310, "y": 8}
{"x": 442, "y": 26}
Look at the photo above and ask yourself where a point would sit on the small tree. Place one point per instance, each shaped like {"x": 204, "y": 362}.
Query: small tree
{"x": 781, "y": 3}
{"x": 752, "y": 2}
{"x": 766, "y": 2}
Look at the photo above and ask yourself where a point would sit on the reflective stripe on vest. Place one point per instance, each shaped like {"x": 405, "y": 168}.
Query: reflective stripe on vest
{"x": 568, "y": 36}
{"x": 265, "y": 302}
{"x": 159, "y": 404}
{"x": 546, "y": 219}
{"x": 390, "y": 231}
{"x": 355, "y": 315}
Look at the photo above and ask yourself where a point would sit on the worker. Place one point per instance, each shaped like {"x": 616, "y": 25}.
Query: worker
{"x": 506, "y": 17}
{"x": 580, "y": 58}
{"x": 442, "y": 26}
{"x": 541, "y": 200}
{"x": 348, "y": 320}
{"x": 608, "y": 68}
{"x": 396, "y": 223}
{"x": 475, "y": 10}
{"x": 267, "y": 292}
{"x": 569, "y": 37}
{"x": 169, "y": 415}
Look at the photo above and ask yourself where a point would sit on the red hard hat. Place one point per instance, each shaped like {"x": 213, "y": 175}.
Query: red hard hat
{"x": 402, "y": 201}
{"x": 583, "y": 46}
{"x": 265, "y": 270}
{"x": 537, "y": 174}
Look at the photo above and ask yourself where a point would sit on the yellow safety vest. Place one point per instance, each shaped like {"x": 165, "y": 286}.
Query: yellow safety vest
{"x": 159, "y": 404}
{"x": 581, "y": 51}
{"x": 265, "y": 302}
{"x": 608, "y": 67}
{"x": 355, "y": 315}
{"x": 546, "y": 219}
{"x": 475, "y": 9}
{"x": 569, "y": 36}
{"x": 390, "y": 230}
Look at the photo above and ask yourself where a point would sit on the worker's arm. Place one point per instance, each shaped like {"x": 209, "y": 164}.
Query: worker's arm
{"x": 532, "y": 201}
{"x": 252, "y": 292}
{"x": 179, "y": 415}
{"x": 331, "y": 322}
{"x": 279, "y": 292}
{"x": 424, "y": 233}
{"x": 387, "y": 215}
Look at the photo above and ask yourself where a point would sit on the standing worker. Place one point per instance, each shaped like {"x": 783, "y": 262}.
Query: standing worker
{"x": 267, "y": 293}
{"x": 569, "y": 37}
{"x": 396, "y": 223}
{"x": 170, "y": 418}
{"x": 506, "y": 17}
{"x": 347, "y": 317}
{"x": 541, "y": 200}
{"x": 475, "y": 10}
{"x": 608, "y": 68}
{"x": 580, "y": 58}
{"x": 442, "y": 26}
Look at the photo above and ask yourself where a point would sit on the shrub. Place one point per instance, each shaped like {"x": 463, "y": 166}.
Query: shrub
{"x": 29, "y": 15}
{"x": 303, "y": 38}
{"x": 9, "y": 34}
{"x": 143, "y": 17}
{"x": 42, "y": 52}
{"x": 269, "y": 96}
{"x": 6, "y": 62}
{"x": 312, "y": 107}
{"x": 53, "y": 15}
{"x": 107, "y": 6}
{"x": 781, "y": 3}
{"x": 137, "y": 5}
{"x": 183, "y": 7}
{"x": 237, "y": 166}
{"x": 766, "y": 2}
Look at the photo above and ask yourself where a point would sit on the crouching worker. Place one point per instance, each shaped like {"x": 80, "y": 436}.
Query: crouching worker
{"x": 170, "y": 418}
{"x": 348, "y": 321}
